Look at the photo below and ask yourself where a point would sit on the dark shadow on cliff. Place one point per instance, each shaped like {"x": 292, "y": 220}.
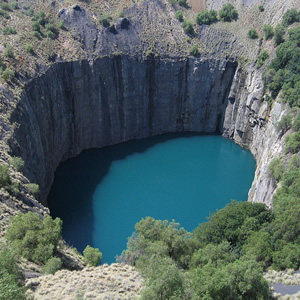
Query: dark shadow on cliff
{"x": 71, "y": 195}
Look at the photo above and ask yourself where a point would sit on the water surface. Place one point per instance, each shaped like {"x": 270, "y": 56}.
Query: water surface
{"x": 102, "y": 193}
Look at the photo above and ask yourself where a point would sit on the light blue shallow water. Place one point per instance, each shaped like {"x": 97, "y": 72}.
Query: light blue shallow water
{"x": 102, "y": 193}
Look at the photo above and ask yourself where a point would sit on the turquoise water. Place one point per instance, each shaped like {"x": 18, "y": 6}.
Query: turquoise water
{"x": 102, "y": 193}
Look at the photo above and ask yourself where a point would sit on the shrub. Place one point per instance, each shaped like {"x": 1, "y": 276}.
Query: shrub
{"x": 296, "y": 124}
{"x": 37, "y": 35}
{"x": 5, "y": 6}
{"x": 4, "y": 176}
{"x": 261, "y": 8}
{"x": 9, "y": 30}
{"x": 206, "y": 17}
{"x": 17, "y": 163}
{"x": 15, "y": 5}
{"x": 284, "y": 124}
{"x": 8, "y": 52}
{"x": 188, "y": 27}
{"x": 28, "y": 48}
{"x": 179, "y": 15}
{"x": 194, "y": 50}
{"x": 50, "y": 34}
{"x": 228, "y": 13}
{"x": 292, "y": 143}
{"x": 33, "y": 238}
{"x": 92, "y": 255}
{"x": 268, "y": 31}
{"x": 276, "y": 169}
{"x": 4, "y": 14}
{"x": 291, "y": 16}
{"x": 33, "y": 188}
{"x": 52, "y": 265}
{"x": 36, "y": 26}
{"x": 8, "y": 74}
{"x": 61, "y": 25}
{"x": 105, "y": 20}
{"x": 10, "y": 289}
{"x": 252, "y": 34}
{"x": 279, "y": 33}
{"x": 121, "y": 14}
{"x": 262, "y": 57}
{"x": 8, "y": 262}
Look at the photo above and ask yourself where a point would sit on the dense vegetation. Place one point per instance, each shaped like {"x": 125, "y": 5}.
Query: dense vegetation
{"x": 222, "y": 259}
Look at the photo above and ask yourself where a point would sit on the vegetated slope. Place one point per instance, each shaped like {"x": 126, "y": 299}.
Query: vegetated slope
{"x": 37, "y": 36}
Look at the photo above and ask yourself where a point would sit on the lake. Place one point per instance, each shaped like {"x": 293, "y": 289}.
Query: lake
{"x": 102, "y": 193}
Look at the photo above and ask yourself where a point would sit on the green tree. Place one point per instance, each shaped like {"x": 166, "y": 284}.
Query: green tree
{"x": 52, "y": 265}
{"x": 8, "y": 52}
{"x": 92, "y": 255}
{"x": 292, "y": 143}
{"x": 4, "y": 176}
{"x": 188, "y": 27}
{"x": 284, "y": 124}
{"x": 287, "y": 257}
{"x": 206, "y": 17}
{"x": 179, "y": 15}
{"x": 10, "y": 289}
{"x": 261, "y": 8}
{"x": 228, "y": 13}
{"x": 276, "y": 169}
{"x": 194, "y": 51}
{"x": 17, "y": 163}
{"x": 262, "y": 57}
{"x": 279, "y": 33}
{"x": 163, "y": 279}
{"x": 291, "y": 16}
{"x": 33, "y": 238}
{"x": 252, "y": 34}
{"x": 268, "y": 31}
{"x": 33, "y": 188}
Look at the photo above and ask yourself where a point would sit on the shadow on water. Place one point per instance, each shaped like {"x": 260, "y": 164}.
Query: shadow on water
{"x": 77, "y": 178}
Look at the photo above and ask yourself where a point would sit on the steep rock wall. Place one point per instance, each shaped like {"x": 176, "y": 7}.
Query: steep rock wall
{"x": 85, "y": 104}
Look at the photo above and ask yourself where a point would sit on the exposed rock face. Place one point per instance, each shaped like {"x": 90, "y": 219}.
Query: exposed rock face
{"x": 79, "y": 105}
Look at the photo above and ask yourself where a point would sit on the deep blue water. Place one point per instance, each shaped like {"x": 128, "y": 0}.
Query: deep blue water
{"x": 102, "y": 193}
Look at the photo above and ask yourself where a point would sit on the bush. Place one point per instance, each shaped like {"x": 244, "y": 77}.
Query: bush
{"x": 252, "y": 34}
{"x": 10, "y": 289}
{"x": 105, "y": 20}
{"x": 291, "y": 16}
{"x": 8, "y": 74}
{"x": 268, "y": 31}
{"x": 262, "y": 57}
{"x": 4, "y": 14}
{"x": 15, "y": 5}
{"x": 92, "y": 255}
{"x": 52, "y": 265}
{"x": 228, "y": 13}
{"x": 206, "y": 17}
{"x": 9, "y": 30}
{"x": 284, "y": 124}
{"x": 5, "y": 6}
{"x": 279, "y": 33}
{"x": 33, "y": 238}
{"x": 28, "y": 48}
{"x": 194, "y": 50}
{"x": 36, "y": 26}
{"x": 188, "y": 27}
{"x": 4, "y": 176}
{"x": 37, "y": 35}
{"x": 276, "y": 169}
{"x": 179, "y": 15}
{"x": 121, "y": 14}
{"x": 8, "y": 52}
{"x": 50, "y": 34}
{"x": 292, "y": 143}
{"x": 61, "y": 25}
{"x": 17, "y": 163}
{"x": 261, "y": 8}
{"x": 33, "y": 188}
{"x": 296, "y": 124}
